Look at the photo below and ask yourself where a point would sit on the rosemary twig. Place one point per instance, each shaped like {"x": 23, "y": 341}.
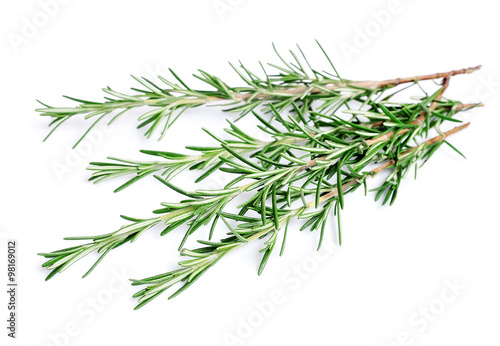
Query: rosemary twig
{"x": 292, "y": 83}
{"x": 211, "y": 159}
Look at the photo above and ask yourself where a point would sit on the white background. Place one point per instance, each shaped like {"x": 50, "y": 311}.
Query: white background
{"x": 394, "y": 260}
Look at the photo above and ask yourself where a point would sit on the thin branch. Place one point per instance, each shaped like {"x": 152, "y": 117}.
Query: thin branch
{"x": 369, "y": 84}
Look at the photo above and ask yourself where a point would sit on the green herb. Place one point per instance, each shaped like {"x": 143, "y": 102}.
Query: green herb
{"x": 316, "y": 156}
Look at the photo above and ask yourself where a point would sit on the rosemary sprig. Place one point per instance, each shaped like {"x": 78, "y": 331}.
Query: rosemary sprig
{"x": 378, "y": 127}
{"x": 294, "y": 82}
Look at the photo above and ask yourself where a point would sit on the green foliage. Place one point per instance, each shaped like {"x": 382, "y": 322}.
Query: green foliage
{"x": 315, "y": 157}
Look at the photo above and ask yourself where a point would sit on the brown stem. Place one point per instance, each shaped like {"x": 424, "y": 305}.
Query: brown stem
{"x": 399, "y": 81}
{"x": 465, "y": 106}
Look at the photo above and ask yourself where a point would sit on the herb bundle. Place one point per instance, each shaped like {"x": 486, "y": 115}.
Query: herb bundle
{"x": 328, "y": 135}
